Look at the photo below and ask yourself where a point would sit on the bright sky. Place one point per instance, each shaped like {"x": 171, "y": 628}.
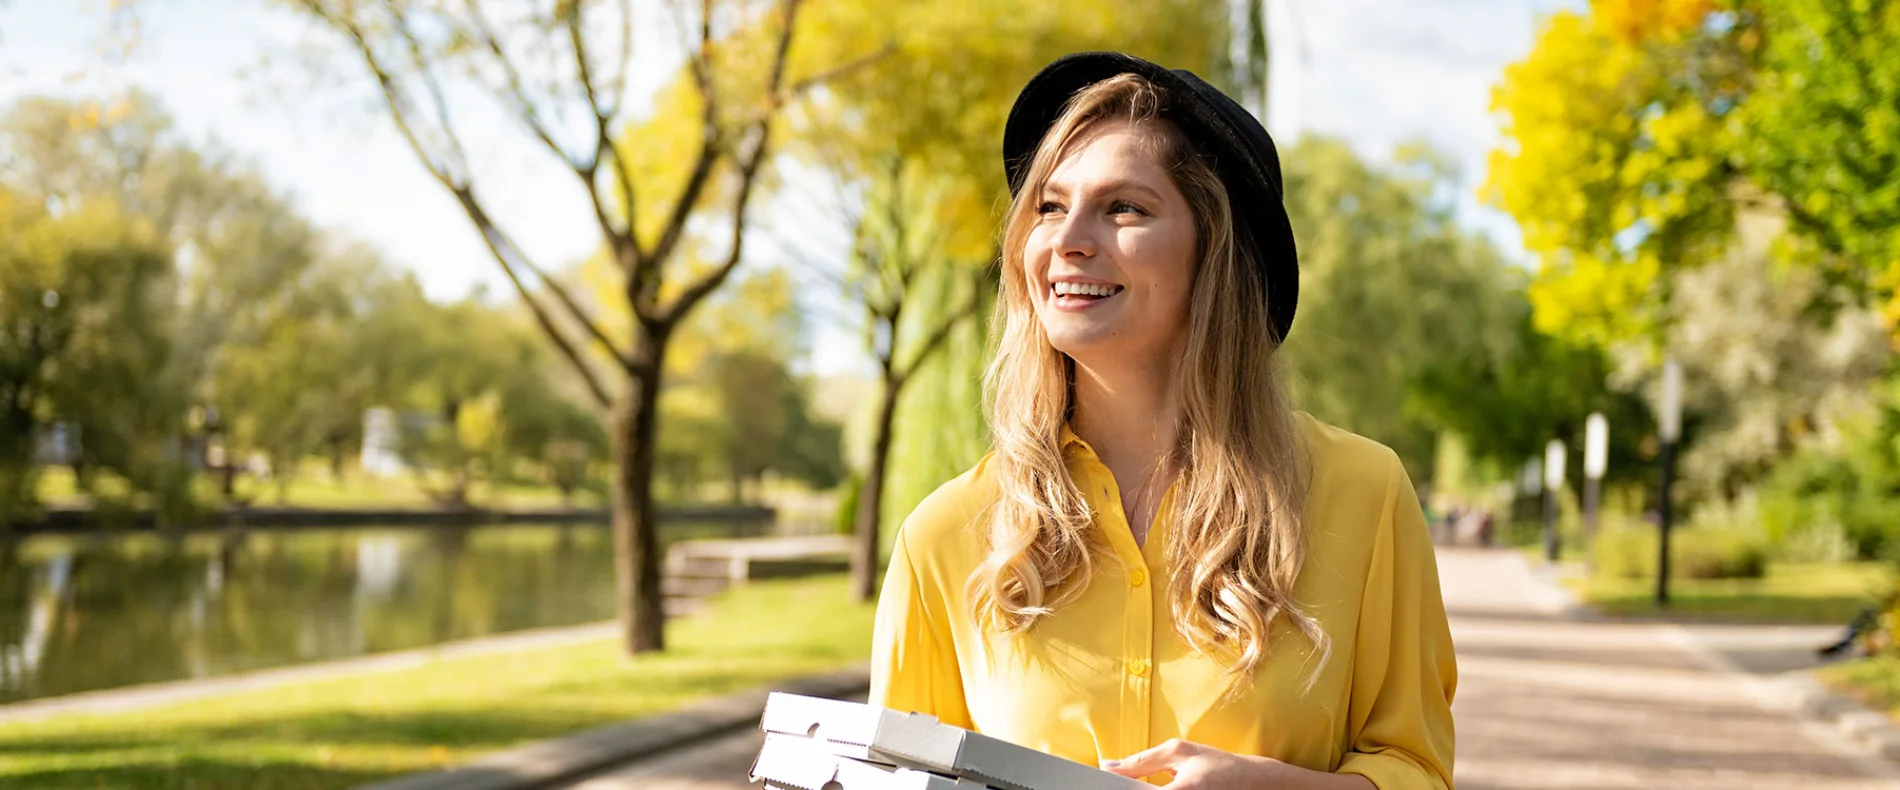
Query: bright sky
{"x": 1375, "y": 72}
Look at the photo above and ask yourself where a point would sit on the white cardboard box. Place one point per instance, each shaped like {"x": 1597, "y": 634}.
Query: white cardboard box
{"x": 793, "y": 763}
{"x": 914, "y": 740}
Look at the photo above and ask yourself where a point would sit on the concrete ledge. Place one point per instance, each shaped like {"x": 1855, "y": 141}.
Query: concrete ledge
{"x": 545, "y": 763}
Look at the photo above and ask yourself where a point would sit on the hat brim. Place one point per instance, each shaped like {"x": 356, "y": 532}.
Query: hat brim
{"x": 1243, "y": 155}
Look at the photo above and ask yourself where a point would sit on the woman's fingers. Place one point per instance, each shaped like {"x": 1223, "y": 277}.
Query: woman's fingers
{"x": 1165, "y": 757}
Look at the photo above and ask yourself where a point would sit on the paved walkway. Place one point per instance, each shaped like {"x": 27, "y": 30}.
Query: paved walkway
{"x": 1546, "y": 701}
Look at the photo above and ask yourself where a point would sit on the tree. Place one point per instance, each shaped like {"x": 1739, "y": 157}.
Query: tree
{"x": 898, "y": 245}
{"x": 1388, "y": 283}
{"x": 915, "y": 151}
{"x": 734, "y": 407}
{"x": 1763, "y": 373}
{"x": 81, "y": 338}
{"x": 1653, "y": 139}
{"x": 1823, "y": 134}
{"x": 243, "y": 254}
{"x": 565, "y": 68}
{"x": 1619, "y": 157}
{"x": 1507, "y": 396}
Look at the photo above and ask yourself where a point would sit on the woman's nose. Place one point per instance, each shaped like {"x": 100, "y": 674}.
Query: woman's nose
{"x": 1075, "y": 237}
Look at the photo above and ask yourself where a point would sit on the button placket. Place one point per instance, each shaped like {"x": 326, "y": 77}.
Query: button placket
{"x": 1138, "y": 665}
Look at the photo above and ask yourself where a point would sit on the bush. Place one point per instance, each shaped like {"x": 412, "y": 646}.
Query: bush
{"x": 1852, "y": 492}
{"x": 1694, "y": 553}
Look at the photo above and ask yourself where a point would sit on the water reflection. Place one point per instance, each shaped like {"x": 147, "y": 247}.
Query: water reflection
{"x": 84, "y": 614}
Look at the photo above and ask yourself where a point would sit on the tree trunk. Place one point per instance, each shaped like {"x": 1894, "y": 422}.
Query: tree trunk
{"x": 228, "y": 472}
{"x": 636, "y": 545}
{"x": 871, "y": 499}
{"x": 336, "y": 459}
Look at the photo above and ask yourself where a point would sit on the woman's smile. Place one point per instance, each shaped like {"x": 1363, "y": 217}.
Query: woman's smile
{"x": 1074, "y": 294}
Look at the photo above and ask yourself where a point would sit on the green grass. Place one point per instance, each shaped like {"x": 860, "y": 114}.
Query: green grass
{"x": 341, "y": 732}
{"x": 315, "y": 487}
{"x": 1874, "y": 681}
{"x": 1790, "y": 593}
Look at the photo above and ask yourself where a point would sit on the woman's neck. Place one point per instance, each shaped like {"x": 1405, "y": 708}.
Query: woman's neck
{"x": 1130, "y": 415}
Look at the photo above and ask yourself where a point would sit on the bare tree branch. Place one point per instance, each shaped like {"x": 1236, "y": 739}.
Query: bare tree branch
{"x": 400, "y": 109}
{"x": 936, "y": 339}
{"x": 619, "y": 85}
{"x": 780, "y": 97}
{"x": 517, "y": 92}
{"x": 429, "y": 82}
{"x": 459, "y": 184}
{"x": 710, "y": 139}
{"x": 603, "y": 149}
{"x": 502, "y": 248}
{"x": 748, "y": 177}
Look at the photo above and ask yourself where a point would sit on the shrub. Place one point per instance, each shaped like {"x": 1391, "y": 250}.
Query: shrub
{"x": 1694, "y": 553}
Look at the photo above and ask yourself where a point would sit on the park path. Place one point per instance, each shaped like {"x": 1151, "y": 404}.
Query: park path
{"x": 1547, "y": 700}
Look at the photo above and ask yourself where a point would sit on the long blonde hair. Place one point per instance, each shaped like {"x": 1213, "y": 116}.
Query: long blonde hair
{"x": 1237, "y": 541}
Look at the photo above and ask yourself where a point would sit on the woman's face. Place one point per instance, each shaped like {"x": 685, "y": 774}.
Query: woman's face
{"x": 1110, "y": 257}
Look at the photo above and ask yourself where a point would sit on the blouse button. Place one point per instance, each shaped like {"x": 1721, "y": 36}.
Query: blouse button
{"x": 1138, "y": 577}
{"x": 1138, "y": 667}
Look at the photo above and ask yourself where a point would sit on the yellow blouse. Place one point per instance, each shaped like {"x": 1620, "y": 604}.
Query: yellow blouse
{"x": 1107, "y": 676}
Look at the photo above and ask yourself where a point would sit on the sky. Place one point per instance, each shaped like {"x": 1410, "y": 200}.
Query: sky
{"x": 1377, "y": 73}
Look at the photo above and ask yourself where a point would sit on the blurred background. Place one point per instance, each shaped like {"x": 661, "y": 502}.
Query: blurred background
{"x": 384, "y": 383}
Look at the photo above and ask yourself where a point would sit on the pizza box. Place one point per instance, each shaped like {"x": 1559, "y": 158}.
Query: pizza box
{"x": 867, "y": 733}
{"x": 791, "y": 763}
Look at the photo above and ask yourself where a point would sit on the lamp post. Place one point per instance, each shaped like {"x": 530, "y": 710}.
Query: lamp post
{"x": 1596, "y": 458}
{"x": 1669, "y": 429}
{"x": 1553, "y": 483}
{"x": 1531, "y": 484}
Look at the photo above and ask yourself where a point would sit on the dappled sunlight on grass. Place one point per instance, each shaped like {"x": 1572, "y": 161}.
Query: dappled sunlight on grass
{"x": 341, "y": 732}
{"x": 1790, "y": 593}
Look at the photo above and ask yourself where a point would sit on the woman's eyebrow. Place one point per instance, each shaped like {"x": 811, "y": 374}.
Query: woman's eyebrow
{"x": 1055, "y": 189}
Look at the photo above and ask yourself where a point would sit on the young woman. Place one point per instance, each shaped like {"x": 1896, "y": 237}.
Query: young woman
{"x": 1161, "y": 566}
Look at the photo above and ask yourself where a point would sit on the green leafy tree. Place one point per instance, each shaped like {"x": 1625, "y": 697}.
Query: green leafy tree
{"x": 561, "y": 72}
{"x": 1822, "y": 128}
{"x": 82, "y": 335}
{"x": 1763, "y": 373}
{"x": 1620, "y": 157}
{"x": 242, "y": 263}
{"x": 1389, "y": 283}
{"x": 735, "y": 409}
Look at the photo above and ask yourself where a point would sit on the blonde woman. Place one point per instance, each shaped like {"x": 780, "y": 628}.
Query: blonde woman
{"x": 1161, "y": 566}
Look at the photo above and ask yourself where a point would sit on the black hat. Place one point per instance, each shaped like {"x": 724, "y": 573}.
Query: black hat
{"x": 1220, "y": 128}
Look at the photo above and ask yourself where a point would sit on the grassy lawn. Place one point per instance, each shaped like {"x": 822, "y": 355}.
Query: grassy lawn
{"x": 342, "y": 732}
{"x": 1790, "y": 593}
{"x": 316, "y": 488}
{"x": 1874, "y": 681}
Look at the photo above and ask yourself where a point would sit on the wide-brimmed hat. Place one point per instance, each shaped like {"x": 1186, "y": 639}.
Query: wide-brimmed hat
{"x": 1241, "y": 153}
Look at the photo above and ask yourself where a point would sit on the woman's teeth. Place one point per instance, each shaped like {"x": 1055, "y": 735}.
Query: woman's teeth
{"x": 1085, "y": 289}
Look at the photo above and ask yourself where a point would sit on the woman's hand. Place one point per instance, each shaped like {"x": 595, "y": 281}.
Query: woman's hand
{"x": 1198, "y": 767}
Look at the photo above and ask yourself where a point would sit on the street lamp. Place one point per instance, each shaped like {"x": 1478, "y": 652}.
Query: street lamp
{"x": 1596, "y": 459}
{"x": 1669, "y": 428}
{"x": 1553, "y": 483}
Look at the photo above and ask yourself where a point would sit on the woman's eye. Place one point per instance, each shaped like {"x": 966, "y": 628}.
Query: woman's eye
{"x": 1048, "y": 207}
{"x": 1123, "y": 206}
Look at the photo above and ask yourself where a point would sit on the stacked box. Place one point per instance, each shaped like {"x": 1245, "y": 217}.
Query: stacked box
{"x": 789, "y": 763}
{"x": 863, "y": 747}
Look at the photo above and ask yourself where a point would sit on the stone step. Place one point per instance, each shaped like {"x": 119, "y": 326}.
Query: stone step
{"x": 693, "y": 586}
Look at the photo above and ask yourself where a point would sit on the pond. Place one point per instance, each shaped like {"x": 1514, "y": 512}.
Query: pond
{"x": 86, "y": 613}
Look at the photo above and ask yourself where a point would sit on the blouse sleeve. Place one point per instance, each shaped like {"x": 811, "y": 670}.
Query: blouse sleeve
{"x": 1404, "y": 669}
{"x": 913, "y": 658}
